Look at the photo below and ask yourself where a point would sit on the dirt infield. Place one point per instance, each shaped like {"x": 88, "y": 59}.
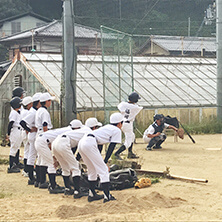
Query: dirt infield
{"x": 169, "y": 200}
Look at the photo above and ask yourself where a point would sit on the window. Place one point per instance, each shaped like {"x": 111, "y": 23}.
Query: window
{"x": 16, "y": 27}
{"x": 18, "y": 80}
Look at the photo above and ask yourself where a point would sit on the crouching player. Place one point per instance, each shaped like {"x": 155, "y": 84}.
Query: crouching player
{"x": 62, "y": 150}
{"x": 154, "y": 135}
{"x": 88, "y": 149}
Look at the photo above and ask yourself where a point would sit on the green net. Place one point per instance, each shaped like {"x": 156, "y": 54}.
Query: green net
{"x": 117, "y": 67}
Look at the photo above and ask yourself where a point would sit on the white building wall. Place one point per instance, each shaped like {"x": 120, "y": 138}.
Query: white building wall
{"x": 27, "y": 22}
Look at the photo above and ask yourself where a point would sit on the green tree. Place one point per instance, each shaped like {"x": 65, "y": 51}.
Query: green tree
{"x": 10, "y": 8}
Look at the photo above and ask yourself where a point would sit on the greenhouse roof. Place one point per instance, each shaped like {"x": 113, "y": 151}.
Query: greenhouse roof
{"x": 160, "y": 81}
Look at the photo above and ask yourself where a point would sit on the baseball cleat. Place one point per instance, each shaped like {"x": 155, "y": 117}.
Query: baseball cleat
{"x": 68, "y": 191}
{"x": 13, "y": 169}
{"x": 56, "y": 190}
{"x": 31, "y": 182}
{"x": 79, "y": 194}
{"x": 110, "y": 199}
{"x": 95, "y": 197}
{"x": 36, "y": 184}
{"x": 20, "y": 165}
{"x": 157, "y": 147}
{"x": 44, "y": 185}
{"x": 132, "y": 156}
{"x": 148, "y": 148}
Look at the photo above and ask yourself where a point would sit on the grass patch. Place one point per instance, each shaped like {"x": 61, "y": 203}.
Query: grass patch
{"x": 4, "y": 195}
{"x": 206, "y": 126}
{"x": 4, "y": 161}
{"x": 212, "y": 126}
{"x": 154, "y": 179}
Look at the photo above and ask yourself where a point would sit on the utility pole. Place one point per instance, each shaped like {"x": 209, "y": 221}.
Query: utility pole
{"x": 120, "y": 10}
{"x": 219, "y": 58}
{"x": 69, "y": 61}
{"x": 189, "y": 27}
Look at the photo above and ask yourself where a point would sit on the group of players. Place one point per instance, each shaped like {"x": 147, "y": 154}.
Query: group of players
{"x": 46, "y": 148}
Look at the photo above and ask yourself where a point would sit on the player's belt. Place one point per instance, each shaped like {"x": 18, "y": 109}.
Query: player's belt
{"x": 91, "y": 135}
{"x": 127, "y": 121}
{"x": 63, "y": 135}
{"x": 47, "y": 140}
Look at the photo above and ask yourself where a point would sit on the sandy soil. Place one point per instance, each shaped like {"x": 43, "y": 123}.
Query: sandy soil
{"x": 169, "y": 200}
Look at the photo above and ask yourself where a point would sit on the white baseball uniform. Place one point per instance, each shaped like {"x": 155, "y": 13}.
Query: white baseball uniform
{"x": 30, "y": 120}
{"x": 44, "y": 152}
{"x": 88, "y": 149}
{"x": 15, "y": 134}
{"x": 151, "y": 130}
{"x": 42, "y": 115}
{"x": 24, "y": 134}
{"x": 61, "y": 148}
{"x": 129, "y": 110}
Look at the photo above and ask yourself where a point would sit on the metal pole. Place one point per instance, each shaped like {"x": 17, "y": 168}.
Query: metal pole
{"x": 104, "y": 78}
{"x": 119, "y": 71}
{"x": 69, "y": 61}
{"x": 219, "y": 58}
{"x": 189, "y": 27}
{"x": 120, "y": 10}
{"x": 131, "y": 54}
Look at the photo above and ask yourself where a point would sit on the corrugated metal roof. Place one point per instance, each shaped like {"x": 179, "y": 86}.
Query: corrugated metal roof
{"x": 160, "y": 81}
{"x": 4, "y": 64}
{"x": 194, "y": 44}
{"x": 54, "y": 29}
{"x": 47, "y": 68}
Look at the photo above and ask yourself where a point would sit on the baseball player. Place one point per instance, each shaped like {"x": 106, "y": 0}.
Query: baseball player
{"x": 14, "y": 134}
{"x": 88, "y": 149}
{"x": 62, "y": 151}
{"x": 28, "y": 123}
{"x": 43, "y": 147}
{"x": 154, "y": 135}
{"x": 43, "y": 123}
{"x": 27, "y": 103}
{"x": 129, "y": 109}
{"x": 18, "y": 92}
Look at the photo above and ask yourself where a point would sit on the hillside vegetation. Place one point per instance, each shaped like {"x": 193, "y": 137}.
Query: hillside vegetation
{"x": 162, "y": 17}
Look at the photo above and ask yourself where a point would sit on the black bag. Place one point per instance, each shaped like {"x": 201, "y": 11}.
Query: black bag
{"x": 121, "y": 179}
{"x": 171, "y": 121}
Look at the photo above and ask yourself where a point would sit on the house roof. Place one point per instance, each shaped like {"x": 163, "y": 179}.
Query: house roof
{"x": 161, "y": 81}
{"x": 25, "y": 14}
{"x": 177, "y": 43}
{"x": 54, "y": 29}
{"x": 5, "y": 64}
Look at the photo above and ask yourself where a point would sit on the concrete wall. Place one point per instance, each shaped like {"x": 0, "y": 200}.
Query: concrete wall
{"x": 145, "y": 117}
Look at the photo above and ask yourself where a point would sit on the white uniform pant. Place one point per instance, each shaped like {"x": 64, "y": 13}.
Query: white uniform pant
{"x": 146, "y": 139}
{"x": 25, "y": 143}
{"x": 88, "y": 149}
{"x": 127, "y": 129}
{"x": 32, "y": 151}
{"x": 61, "y": 149}
{"x": 15, "y": 141}
{"x": 44, "y": 154}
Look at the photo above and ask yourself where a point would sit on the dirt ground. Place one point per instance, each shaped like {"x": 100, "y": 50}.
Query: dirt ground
{"x": 169, "y": 200}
